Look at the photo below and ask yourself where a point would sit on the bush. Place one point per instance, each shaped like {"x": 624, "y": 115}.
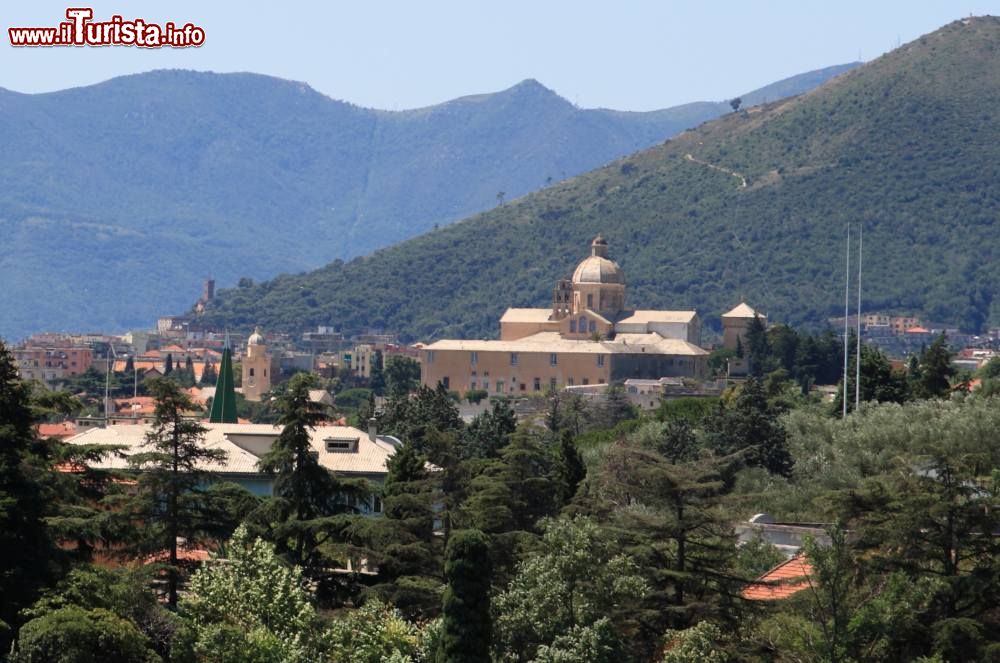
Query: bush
{"x": 75, "y": 635}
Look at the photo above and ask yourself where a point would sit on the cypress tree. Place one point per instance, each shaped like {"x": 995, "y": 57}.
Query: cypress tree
{"x": 570, "y": 470}
{"x": 466, "y": 627}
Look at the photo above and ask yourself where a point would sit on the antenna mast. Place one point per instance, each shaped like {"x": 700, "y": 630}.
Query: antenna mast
{"x": 847, "y": 295}
{"x": 857, "y": 359}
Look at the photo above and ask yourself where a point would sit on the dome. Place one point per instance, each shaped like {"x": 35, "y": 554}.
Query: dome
{"x": 256, "y": 338}
{"x": 598, "y": 268}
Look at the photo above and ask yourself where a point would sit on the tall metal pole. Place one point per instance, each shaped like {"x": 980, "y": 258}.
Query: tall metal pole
{"x": 857, "y": 359}
{"x": 847, "y": 297}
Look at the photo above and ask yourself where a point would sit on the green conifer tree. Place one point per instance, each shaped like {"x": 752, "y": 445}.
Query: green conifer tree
{"x": 466, "y": 628}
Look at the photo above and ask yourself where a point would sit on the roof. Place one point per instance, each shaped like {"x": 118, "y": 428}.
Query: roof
{"x": 650, "y": 342}
{"x": 918, "y": 330}
{"x": 526, "y": 315}
{"x": 597, "y": 269}
{"x": 646, "y": 316}
{"x": 61, "y": 430}
{"x": 246, "y": 443}
{"x": 788, "y": 578}
{"x": 742, "y": 310}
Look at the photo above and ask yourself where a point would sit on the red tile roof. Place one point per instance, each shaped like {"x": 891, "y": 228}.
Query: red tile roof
{"x": 917, "y": 330}
{"x": 61, "y": 430}
{"x": 784, "y": 580}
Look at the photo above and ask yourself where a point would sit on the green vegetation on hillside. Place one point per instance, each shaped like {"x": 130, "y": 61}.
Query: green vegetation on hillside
{"x": 117, "y": 199}
{"x": 903, "y": 144}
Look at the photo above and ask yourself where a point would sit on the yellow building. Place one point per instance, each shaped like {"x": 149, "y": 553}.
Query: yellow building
{"x": 588, "y": 336}
{"x": 256, "y": 367}
{"x": 735, "y": 324}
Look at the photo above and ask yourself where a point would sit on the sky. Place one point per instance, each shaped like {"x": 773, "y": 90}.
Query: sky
{"x": 628, "y": 54}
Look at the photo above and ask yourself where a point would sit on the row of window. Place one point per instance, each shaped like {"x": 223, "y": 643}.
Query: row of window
{"x": 500, "y": 386}
{"x": 514, "y": 359}
{"x": 583, "y": 326}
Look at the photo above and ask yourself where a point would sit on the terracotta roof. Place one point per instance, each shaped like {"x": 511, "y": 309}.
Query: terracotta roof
{"x": 788, "y": 578}
{"x": 61, "y": 430}
{"x": 918, "y": 330}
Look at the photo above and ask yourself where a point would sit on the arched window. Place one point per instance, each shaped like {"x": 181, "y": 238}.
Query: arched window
{"x": 583, "y": 324}
{"x": 572, "y": 326}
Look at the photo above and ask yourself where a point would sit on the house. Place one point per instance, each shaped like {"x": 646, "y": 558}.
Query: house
{"x": 786, "y": 579}
{"x": 345, "y": 451}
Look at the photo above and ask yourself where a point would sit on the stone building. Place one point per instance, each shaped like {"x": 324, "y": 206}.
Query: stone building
{"x": 256, "y": 367}
{"x": 587, "y": 336}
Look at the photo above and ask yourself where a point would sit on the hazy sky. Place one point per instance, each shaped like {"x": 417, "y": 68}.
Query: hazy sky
{"x": 633, "y": 55}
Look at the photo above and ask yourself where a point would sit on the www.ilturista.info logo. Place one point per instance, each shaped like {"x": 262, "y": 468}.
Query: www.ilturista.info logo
{"x": 81, "y": 30}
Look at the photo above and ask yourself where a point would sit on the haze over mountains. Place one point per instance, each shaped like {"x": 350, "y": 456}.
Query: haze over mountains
{"x": 117, "y": 199}
{"x": 753, "y": 205}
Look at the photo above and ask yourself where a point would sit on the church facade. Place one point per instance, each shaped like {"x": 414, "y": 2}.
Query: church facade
{"x": 587, "y": 336}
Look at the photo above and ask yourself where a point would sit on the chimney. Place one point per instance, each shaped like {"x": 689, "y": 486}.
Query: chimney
{"x": 372, "y": 429}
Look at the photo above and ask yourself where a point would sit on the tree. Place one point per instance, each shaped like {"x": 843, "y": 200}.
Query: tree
{"x": 575, "y": 580}
{"x": 209, "y": 376}
{"x": 305, "y": 490}
{"x": 171, "y": 473}
{"x": 168, "y": 365}
{"x": 253, "y": 601}
{"x": 75, "y": 635}
{"x": 376, "y": 375}
{"x": 570, "y": 470}
{"x": 489, "y": 432}
{"x": 664, "y": 495}
{"x": 879, "y": 382}
{"x": 936, "y": 369}
{"x": 758, "y": 348}
{"x": 377, "y": 632}
{"x": 25, "y": 549}
{"x": 409, "y": 554}
{"x": 751, "y": 427}
{"x": 735, "y": 104}
{"x": 466, "y": 627}
{"x": 402, "y": 375}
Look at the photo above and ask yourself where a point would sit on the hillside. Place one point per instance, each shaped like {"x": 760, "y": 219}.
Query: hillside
{"x": 906, "y": 144}
{"x": 117, "y": 199}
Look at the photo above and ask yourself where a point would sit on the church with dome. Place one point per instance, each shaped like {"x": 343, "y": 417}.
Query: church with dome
{"x": 588, "y": 336}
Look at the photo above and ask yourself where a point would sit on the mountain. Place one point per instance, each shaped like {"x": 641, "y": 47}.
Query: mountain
{"x": 117, "y": 199}
{"x": 753, "y": 205}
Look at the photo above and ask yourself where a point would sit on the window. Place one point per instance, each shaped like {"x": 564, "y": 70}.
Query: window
{"x": 446, "y": 381}
{"x": 513, "y": 359}
{"x": 583, "y": 324}
{"x": 569, "y": 382}
{"x": 499, "y": 386}
{"x": 430, "y": 356}
{"x": 600, "y": 361}
{"x": 265, "y": 372}
{"x": 251, "y": 372}
{"x": 586, "y": 380}
{"x": 472, "y": 385}
{"x": 590, "y": 301}
{"x": 553, "y": 359}
{"x": 341, "y": 444}
{"x": 593, "y": 327}
{"x": 538, "y": 384}
{"x": 572, "y": 326}
{"x": 376, "y": 504}
{"x": 473, "y": 358}
{"x": 552, "y": 384}
{"x": 522, "y": 387}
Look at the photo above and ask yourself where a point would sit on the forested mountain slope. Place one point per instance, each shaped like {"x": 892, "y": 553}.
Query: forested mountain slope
{"x": 906, "y": 144}
{"x": 117, "y": 199}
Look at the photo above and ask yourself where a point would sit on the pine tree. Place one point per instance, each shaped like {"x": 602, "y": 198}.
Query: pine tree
{"x": 570, "y": 470}
{"x": 490, "y": 431}
{"x": 305, "y": 490}
{"x": 168, "y": 366}
{"x": 936, "y": 369}
{"x": 171, "y": 471}
{"x": 466, "y": 628}
{"x": 751, "y": 427}
{"x": 410, "y": 566}
{"x": 25, "y": 549}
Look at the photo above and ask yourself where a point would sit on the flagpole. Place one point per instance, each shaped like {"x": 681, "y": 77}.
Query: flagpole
{"x": 847, "y": 296}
